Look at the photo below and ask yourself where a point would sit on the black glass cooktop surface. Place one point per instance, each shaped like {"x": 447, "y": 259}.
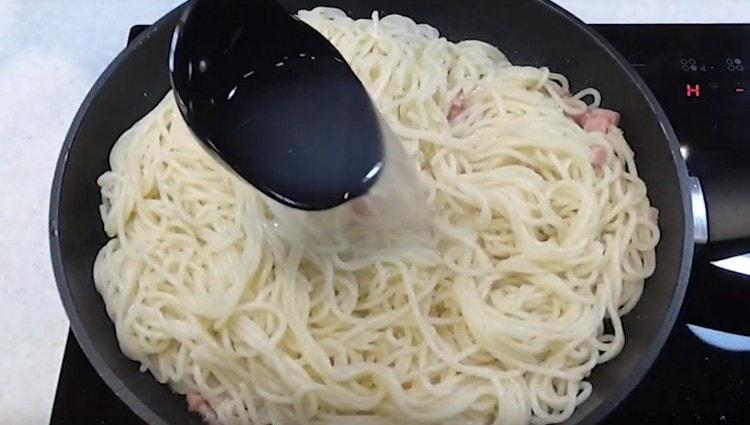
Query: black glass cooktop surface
{"x": 701, "y": 76}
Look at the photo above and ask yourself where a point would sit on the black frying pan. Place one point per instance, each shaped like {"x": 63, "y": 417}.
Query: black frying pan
{"x": 531, "y": 32}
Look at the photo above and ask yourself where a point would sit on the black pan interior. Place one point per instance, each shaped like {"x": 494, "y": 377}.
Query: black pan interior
{"x": 529, "y": 32}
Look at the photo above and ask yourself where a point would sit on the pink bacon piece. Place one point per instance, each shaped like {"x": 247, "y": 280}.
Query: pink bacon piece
{"x": 599, "y": 155}
{"x": 653, "y": 215}
{"x": 198, "y": 404}
{"x": 360, "y": 207}
{"x": 368, "y": 205}
{"x": 458, "y": 106}
{"x": 598, "y": 120}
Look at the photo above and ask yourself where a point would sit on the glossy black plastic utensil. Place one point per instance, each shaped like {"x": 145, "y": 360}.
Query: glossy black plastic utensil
{"x": 276, "y": 102}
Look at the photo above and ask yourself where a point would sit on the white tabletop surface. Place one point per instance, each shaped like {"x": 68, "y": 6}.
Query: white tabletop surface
{"x": 51, "y": 51}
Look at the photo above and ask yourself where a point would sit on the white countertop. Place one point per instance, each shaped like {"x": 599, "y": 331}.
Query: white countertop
{"x": 52, "y": 51}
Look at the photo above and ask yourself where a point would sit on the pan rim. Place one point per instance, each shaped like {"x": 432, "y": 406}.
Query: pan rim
{"x": 88, "y": 347}
{"x": 596, "y": 415}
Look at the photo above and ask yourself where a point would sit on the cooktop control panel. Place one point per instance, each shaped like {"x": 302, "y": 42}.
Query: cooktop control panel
{"x": 701, "y": 76}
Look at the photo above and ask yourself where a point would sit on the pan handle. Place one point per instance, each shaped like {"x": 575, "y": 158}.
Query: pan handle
{"x": 721, "y": 207}
{"x": 721, "y": 269}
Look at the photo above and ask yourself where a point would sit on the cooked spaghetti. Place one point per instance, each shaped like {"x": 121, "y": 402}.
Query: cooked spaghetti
{"x": 541, "y": 236}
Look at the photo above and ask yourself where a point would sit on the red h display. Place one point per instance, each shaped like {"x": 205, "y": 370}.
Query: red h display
{"x": 693, "y": 90}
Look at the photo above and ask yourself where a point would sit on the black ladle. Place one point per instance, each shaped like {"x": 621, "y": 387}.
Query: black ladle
{"x": 276, "y": 102}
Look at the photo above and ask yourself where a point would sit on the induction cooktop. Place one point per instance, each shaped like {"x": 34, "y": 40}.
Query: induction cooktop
{"x": 701, "y": 76}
